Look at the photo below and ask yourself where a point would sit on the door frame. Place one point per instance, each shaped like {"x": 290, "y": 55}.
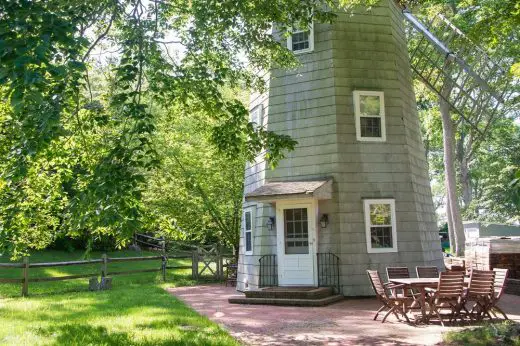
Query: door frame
{"x": 312, "y": 205}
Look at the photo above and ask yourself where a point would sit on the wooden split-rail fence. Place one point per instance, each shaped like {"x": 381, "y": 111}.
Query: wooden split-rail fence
{"x": 206, "y": 261}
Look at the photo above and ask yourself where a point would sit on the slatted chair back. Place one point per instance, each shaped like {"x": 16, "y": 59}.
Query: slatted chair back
{"x": 500, "y": 281}
{"x": 481, "y": 283}
{"x": 397, "y": 273}
{"x": 499, "y": 287}
{"x": 451, "y": 285}
{"x": 427, "y": 272}
{"x": 449, "y": 294}
{"x": 377, "y": 284}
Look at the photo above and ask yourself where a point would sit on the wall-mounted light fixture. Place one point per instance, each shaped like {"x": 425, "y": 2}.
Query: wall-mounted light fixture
{"x": 324, "y": 220}
{"x": 271, "y": 222}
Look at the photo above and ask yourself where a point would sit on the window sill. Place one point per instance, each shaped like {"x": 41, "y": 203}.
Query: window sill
{"x": 303, "y": 51}
{"x": 371, "y": 139}
{"x": 385, "y": 250}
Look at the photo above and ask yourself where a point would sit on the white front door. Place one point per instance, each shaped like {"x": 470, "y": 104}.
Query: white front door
{"x": 296, "y": 243}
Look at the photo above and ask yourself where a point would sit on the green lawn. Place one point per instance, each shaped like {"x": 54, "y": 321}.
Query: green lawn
{"x": 137, "y": 311}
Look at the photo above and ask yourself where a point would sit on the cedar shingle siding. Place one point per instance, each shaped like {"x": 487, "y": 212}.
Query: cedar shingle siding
{"x": 314, "y": 105}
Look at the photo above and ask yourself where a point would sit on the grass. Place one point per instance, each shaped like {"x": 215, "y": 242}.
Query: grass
{"x": 137, "y": 311}
{"x": 506, "y": 333}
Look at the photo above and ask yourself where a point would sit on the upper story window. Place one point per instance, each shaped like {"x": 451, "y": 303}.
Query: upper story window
{"x": 248, "y": 230}
{"x": 301, "y": 40}
{"x": 369, "y": 109}
{"x": 257, "y": 115}
{"x": 380, "y": 225}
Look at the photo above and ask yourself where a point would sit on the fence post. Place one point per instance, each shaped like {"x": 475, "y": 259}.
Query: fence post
{"x": 163, "y": 267}
{"x": 104, "y": 266}
{"x": 195, "y": 265}
{"x": 25, "y": 284}
{"x": 220, "y": 263}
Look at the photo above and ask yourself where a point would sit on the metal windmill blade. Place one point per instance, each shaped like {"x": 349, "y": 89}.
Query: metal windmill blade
{"x": 456, "y": 69}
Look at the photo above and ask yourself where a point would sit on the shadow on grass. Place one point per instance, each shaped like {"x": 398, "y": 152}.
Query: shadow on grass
{"x": 74, "y": 334}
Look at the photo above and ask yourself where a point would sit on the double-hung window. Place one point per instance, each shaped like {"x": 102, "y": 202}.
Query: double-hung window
{"x": 301, "y": 40}
{"x": 380, "y": 225}
{"x": 249, "y": 221}
{"x": 369, "y": 108}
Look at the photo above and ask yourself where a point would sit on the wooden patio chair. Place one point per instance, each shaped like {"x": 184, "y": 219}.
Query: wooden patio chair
{"x": 427, "y": 272}
{"x": 499, "y": 287}
{"x": 396, "y": 304}
{"x": 403, "y": 273}
{"x": 397, "y": 273}
{"x": 481, "y": 292}
{"x": 449, "y": 295}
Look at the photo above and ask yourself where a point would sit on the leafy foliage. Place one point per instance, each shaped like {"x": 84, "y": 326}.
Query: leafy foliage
{"x": 78, "y": 147}
{"x": 196, "y": 193}
{"x": 485, "y": 162}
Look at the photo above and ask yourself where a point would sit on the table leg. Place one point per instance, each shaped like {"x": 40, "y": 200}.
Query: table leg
{"x": 422, "y": 299}
{"x": 422, "y": 289}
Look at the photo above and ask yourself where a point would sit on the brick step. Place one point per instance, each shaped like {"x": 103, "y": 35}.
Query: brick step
{"x": 286, "y": 301}
{"x": 291, "y": 292}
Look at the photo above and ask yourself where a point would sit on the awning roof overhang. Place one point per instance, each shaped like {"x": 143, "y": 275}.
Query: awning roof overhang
{"x": 273, "y": 191}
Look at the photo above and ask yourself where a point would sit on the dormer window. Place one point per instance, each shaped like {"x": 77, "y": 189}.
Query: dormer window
{"x": 369, "y": 109}
{"x": 301, "y": 41}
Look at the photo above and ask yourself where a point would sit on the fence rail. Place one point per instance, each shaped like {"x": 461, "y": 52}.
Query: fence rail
{"x": 213, "y": 263}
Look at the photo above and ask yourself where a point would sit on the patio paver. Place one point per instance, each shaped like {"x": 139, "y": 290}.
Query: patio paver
{"x": 348, "y": 322}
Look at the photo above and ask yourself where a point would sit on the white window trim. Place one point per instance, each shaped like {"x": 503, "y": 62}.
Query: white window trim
{"x": 260, "y": 109}
{"x": 311, "y": 40}
{"x": 250, "y": 210}
{"x": 366, "y": 209}
{"x": 357, "y": 112}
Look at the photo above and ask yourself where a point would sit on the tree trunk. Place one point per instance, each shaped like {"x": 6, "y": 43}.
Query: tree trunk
{"x": 451, "y": 234}
{"x": 450, "y": 181}
{"x": 467, "y": 193}
{"x": 463, "y": 159}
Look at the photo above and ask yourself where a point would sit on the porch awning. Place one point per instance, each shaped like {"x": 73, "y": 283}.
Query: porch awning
{"x": 270, "y": 192}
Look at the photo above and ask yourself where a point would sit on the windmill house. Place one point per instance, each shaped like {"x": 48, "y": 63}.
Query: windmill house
{"x": 355, "y": 193}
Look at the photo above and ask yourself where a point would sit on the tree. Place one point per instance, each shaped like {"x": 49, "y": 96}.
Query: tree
{"x": 196, "y": 193}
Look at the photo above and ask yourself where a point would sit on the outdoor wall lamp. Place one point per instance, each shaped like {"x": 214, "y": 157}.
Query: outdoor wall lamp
{"x": 324, "y": 220}
{"x": 271, "y": 222}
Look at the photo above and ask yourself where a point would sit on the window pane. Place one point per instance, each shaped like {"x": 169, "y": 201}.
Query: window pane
{"x": 380, "y": 214}
{"x": 297, "y": 214}
{"x": 255, "y": 115}
{"x": 248, "y": 220}
{"x": 381, "y": 237}
{"x": 296, "y": 231}
{"x": 300, "y": 40}
{"x": 369, "y": 105}
{"x": 249, "y": 244}
{"x": 370, "y": 126}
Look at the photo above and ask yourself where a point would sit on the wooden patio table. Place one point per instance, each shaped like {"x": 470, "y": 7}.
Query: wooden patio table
{"x": 421, "y": 284}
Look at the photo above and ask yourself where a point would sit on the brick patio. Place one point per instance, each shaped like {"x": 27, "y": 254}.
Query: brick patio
{"x": 348, "y": 322}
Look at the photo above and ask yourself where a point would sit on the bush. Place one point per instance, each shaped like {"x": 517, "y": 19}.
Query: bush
{"x": 506, "y": 333}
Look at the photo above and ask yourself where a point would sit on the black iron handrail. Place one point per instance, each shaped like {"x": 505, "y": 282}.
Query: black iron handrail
{"x": 268, "y": 271}
{"x": 328, "y": 271}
